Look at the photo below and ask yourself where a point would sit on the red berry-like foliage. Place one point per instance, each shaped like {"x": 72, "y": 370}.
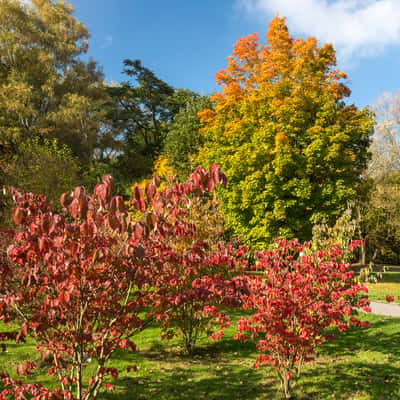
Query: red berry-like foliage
{"x": 294, "y": 299}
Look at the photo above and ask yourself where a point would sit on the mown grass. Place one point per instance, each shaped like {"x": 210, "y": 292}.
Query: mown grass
{"x": 389, "y": 284}
{"x": 361, "y": 364}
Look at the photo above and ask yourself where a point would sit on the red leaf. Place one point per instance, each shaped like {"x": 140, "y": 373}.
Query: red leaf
{"x": 156, "y": 180}
{"x": 138, "y": 199}
{"x": 389, "y": 298}
{"x": 19, "y": 216}
{"x": 66, "y": 199}
{"x": 139, "y": 230}
{"x": 101, "y": 191}
{"x": 158, "y": 206}
{"x": 150, "y": 192}
{"x": 74, "y": 208}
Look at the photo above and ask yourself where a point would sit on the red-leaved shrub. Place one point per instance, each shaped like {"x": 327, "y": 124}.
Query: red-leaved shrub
{"x": 295, "y": 298}
{"x": 82, "y": 284}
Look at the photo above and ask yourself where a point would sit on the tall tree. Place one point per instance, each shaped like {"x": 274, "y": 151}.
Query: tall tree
{"x": 141, "y": 110}
{"x": 291, "y": 147}
{"x": 142, "y": 106}
{"x": 45, "y": 88}
{"x": 380, "y": 210}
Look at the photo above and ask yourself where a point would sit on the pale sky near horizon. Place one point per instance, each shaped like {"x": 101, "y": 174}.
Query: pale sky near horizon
{"x": 185, "y": 42}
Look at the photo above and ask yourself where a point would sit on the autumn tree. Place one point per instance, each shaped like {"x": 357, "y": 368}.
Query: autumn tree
{"x": 198, "y": 266}
{"x": 197, "y": 262}
{"x": 291, "y": 147}
{"x": 46, "y": 89}
{"x": 72, "y": 282}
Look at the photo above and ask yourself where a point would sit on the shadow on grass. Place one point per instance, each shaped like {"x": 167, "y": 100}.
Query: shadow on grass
{"x": 174, "y": 352}
{"x": 347, "y": 379}
{"x": 180, "y": 384}
{"x": 217, "y": 349}
{"x": 356, "y": 363}
{"x": 330, "y": 381}
{"x": 377, "y": 338}
{"x": 219, "y": 370}
{"x": 390, "y": 277}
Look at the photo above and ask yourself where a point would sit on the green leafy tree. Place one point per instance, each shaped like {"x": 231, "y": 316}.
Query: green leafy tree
{"x": 141, "y": 111}
{"x": 292, "y": 148}
{"x": 183, "y": 140}
{"x": 46, "y": 90}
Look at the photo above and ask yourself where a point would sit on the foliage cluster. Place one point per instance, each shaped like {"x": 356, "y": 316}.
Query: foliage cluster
{"x": 291, "y": 146}
{"x": 46, "y": 89}
{"x": 43, "y": 166}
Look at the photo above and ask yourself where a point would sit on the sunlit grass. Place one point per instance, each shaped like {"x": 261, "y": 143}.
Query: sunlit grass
{"x": 389, "y": 284}
{"x": 361, "y": 364}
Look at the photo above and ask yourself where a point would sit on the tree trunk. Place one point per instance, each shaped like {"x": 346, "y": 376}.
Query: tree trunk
{"x": 363, "y": 259}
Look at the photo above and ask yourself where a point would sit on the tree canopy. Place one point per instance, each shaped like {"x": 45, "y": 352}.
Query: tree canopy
{"x": 292, "y": 148}
{"x": 141, "y": 110}
{"x": 45, "y": 88}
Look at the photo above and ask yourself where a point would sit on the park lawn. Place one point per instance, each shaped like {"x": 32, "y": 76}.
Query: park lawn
{"x": 361, "y": 364}
{"x": 389, "y": 284}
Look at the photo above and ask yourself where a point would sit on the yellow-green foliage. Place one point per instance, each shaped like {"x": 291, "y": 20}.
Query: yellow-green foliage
{"x": 45, "y": 89}
{"x": 290, "y": 146}
{"x": 43, "y": 167}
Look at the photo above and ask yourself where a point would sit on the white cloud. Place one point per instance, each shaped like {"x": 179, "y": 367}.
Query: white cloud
{"x": 357, "y": 28}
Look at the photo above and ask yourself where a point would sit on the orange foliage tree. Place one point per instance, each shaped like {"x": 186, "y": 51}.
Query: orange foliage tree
{"x": 281, "y": 130}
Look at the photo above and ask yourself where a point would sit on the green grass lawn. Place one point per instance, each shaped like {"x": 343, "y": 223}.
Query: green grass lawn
{"x": 390, "y": 284}
{"x": 359, "y": 364}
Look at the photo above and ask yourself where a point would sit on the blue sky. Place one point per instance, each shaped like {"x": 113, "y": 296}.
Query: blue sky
{"x": 185, "y": 42}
